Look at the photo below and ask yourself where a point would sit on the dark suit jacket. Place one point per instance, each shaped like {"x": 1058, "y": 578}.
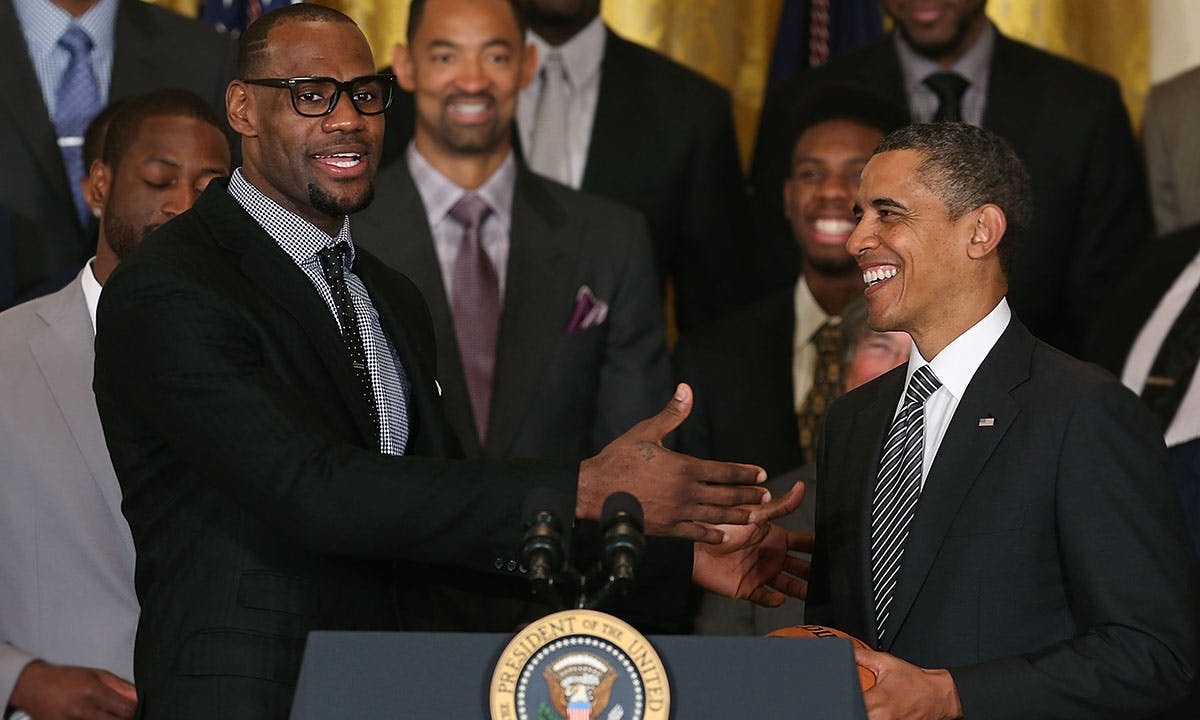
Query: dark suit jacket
{"x": 741, "y": 371}
{"x": 154, "y": 48}
{"x": 1127, "y": 307}
{"x": 243, "y": 446}
{"x": 662, "y": 143}
{"x": 1044, "y": 566}
{"x": 556, "y": 393}
{"x": 1068, "y": 125}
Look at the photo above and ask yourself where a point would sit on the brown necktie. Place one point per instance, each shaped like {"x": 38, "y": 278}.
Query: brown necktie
{"x": 827, "y": 385}
{"x": 476, "y": 308}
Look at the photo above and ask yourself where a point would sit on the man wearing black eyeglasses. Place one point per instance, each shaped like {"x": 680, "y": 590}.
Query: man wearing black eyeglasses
{"x": 270, "y": 401}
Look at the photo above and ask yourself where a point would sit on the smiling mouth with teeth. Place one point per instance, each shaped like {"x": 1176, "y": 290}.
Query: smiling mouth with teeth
{"x": 342, "y": 160}
{"x": 875, "y": 275}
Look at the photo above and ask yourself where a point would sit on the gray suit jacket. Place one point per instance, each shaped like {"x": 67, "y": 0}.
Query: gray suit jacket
{"x": 154, "y": 48}
{"x": 66, "y": 571}
{"x": 1173, "y": 151}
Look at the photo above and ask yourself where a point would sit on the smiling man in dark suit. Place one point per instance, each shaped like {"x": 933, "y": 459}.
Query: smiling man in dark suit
{"x": 993, "y": 518}
{"x": 269, "y": 398}
{"x": 133, "y": 47}
{"x": 1066, "y": 122}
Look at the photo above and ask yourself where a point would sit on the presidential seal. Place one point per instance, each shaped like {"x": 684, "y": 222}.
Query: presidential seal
{"x": 579, "y": 665}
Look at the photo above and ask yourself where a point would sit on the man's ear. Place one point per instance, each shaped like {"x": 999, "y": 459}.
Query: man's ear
{"x": 96, "y": 187}
{"x": 989, "y": 228}
{"x": 239, "y": 109}
{"x": 402, "y": 66}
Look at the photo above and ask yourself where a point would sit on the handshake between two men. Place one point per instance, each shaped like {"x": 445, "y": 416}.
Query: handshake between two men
{"x": 738, "y": 551}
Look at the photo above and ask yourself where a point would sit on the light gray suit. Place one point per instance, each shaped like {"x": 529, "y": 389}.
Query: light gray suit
{"x": 66, "y": 568}
{"x": 1173, "y": 151}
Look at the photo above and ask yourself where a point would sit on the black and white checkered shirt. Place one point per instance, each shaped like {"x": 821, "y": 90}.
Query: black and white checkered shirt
{"x": 301, "y": 240}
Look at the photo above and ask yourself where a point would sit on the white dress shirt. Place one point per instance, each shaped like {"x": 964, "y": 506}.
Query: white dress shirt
{"x": 581, "y": 56}
{"x": 91, "y": 290}
{"x": 1186, "y": 424}
{"x": 955, "y": 365}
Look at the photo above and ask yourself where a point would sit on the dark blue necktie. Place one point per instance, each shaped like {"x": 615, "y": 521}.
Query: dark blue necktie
{"x": 78, "y": 101}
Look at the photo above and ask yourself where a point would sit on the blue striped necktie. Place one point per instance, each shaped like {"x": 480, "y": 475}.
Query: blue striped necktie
{"x": 897, "y": 491}
{"x": 78, "y": 101}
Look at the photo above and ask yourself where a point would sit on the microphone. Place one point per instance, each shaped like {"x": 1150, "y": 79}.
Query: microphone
{"x": 542, "y": 547}
{"x": 624, "y": 543}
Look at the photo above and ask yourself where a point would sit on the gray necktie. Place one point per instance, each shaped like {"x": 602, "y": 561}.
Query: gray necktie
{"x": 549, "y": 155}
{"x": 897, "y": 490}
{"x": 476, "y": 307}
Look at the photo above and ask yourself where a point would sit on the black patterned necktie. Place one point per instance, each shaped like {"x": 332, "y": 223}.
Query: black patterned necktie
{"x": 896, "y": 491}
{"x": 333, "y": 265}
{"x": 827, "y": 385}
{"x": 475, "y": 304}
{"x": 1175, "y": 364}
{"x": 949, "y": 88}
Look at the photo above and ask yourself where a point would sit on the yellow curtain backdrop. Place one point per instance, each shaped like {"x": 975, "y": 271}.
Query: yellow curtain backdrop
{"x": 731, "y": 41}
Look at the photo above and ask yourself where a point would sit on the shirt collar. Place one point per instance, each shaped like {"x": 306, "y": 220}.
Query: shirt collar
{"x": 956, "y": 364}
{"x": 297, "y": 237}
{"x": 581, "y": 55}
{"x": 43, "y": 23}
{"x": 809, "y": 315}
{"x": 439, "y": 193}
{"x": 91, "y": 290}
{"x": 973, "y": 65}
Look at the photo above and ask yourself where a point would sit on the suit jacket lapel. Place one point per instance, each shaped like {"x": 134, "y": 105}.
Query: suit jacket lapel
{"x": 613, "y": 147}
{"x": 64, "y": 353}
{"x": 1009, "y": 110}
{"x": 26, "y": 109}
{"x": 867, "y": 434}
{"x": 538, "y": 276}
{"x": 964, "y": 451}
{"x": 134, "y": 56}
{"x": 272, "y": 271}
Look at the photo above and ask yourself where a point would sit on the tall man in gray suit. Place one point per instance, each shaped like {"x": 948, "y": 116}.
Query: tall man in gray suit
{"x": 1172, "y": 148}
{"x": 68, "y": 615}
{"x": 577, "y": 348}
{"x": 65, "y": 59}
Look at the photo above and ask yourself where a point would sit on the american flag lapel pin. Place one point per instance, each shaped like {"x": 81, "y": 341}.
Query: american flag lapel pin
{"x": 987, "y": 422}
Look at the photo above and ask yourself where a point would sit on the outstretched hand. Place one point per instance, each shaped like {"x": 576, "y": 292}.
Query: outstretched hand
{"x": 681, "y": 496}
{"x": 754, "y": 562}
{"x": 46, "y": 691}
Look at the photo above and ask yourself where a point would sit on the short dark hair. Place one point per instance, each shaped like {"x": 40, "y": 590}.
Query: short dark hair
{"x": 967, "y": 166}
{"x": 851, "y": 102}
{"x": 416, "y": 11}
{"x": 127, "y": 120}
{"x": 97, "y": 129}
{"x": 252, "y": 45}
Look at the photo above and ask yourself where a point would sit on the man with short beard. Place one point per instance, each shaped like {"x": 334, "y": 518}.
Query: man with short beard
{"x": 269, "y": 395}
{"x": 1066, "y": 122}
{"x": 69, "y": 610}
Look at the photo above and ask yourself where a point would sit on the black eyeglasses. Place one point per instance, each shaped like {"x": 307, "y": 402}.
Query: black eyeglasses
{"x": 318, "y": 96}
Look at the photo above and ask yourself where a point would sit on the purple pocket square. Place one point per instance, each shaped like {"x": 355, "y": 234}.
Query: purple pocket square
{"x": 589, "y": 311}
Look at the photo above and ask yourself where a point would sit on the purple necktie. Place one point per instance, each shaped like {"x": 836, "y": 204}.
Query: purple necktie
{"x": 476, "y": 307}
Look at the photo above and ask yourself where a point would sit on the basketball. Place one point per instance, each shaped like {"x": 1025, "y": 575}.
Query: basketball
{"x": 865, "y": 677}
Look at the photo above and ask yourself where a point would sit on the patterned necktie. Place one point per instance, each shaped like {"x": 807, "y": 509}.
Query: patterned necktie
{"x": 549, "y": 155}
{"x": 333, "y": 265}
{"x": 78, "y": 101}
{"x": 897, "y": 490}
{"x": 1175, "y": 364}
{"x": 475, "y": 303}
{"x": 949, "y": 88}
{"x": 827, "y": 385}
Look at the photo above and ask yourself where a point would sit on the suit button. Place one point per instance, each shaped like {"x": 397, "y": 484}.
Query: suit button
{"x": 499, "y": 563}
{"x": 512, "y": 566}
